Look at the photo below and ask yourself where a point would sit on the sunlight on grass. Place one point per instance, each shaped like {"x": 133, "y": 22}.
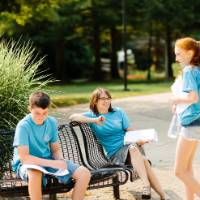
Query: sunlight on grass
{"x": 71, "y": 94}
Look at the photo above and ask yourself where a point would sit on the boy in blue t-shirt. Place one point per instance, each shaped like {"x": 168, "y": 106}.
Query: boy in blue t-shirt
{"x": 36, "y": 142}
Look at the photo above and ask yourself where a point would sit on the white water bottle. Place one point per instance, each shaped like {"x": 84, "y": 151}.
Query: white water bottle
{"x": 174, "y": 127}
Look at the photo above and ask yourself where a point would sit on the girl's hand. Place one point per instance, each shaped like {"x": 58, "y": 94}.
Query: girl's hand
{"x": 173, "y": 100}
{"x": 173, "y": 108}
{"x": 99, "y": 120}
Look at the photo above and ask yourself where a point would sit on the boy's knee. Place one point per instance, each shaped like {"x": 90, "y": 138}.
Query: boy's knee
{"x": 82, "y": 173}
{"x": 34, "y": 174}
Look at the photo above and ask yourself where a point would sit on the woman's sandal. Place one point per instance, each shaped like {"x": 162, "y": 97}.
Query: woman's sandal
{"x": 165, "y": 198}
{"x": 146, "y": 193}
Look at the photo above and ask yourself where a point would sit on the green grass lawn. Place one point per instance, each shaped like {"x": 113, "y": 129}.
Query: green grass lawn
{"x": 71, "y": 94}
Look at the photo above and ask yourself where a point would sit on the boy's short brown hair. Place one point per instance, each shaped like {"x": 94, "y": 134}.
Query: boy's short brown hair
{"x": 39, "y": 99}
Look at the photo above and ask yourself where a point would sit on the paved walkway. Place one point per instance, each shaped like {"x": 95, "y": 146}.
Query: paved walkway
{"x": 152, "y": 111}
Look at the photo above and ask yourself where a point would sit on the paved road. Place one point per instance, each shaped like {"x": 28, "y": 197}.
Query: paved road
{"x": 152, "y": 111}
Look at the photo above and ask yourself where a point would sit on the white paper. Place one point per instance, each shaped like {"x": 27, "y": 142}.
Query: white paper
{"x": 140, "y": 135}
{"x": 59, "y": 172}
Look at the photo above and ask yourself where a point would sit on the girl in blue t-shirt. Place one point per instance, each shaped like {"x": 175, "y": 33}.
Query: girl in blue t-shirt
{"x": 109, "y": 125}
{"x": 187, "y": 51}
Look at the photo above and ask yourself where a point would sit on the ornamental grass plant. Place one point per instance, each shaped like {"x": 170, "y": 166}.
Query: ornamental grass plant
{"x": 20, "y": 75}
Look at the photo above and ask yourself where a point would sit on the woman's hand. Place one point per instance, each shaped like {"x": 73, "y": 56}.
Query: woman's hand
{"x": 99, "y": 120}
{"x": 142, "y": 142}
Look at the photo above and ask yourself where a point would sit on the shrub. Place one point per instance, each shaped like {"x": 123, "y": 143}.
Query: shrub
{"x": 19, "y": 77}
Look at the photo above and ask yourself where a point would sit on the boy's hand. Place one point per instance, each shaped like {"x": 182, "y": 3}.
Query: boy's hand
{"x": 99, "y": 120}
{"x": 60, "y": 164}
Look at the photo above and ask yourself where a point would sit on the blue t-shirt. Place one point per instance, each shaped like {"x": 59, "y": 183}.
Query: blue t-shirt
{"x": 191, "y": 82}
{"x": 36, "y": 137}
{"x": 111, "y": 132}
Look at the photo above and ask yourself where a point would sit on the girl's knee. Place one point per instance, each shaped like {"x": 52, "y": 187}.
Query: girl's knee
{"x": 178, "y": 172}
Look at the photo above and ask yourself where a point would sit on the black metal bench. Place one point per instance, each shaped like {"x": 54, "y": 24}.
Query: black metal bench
{"x": 79, "y": 145}
{"x": 93, "y": 150}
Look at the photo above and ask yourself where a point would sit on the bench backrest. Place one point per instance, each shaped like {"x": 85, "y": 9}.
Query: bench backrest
{"x": 69, "y": 144}
{"x": 91, "y": 149}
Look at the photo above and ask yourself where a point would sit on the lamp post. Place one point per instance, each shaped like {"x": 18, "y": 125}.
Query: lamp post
{"x": 124, "y": 44}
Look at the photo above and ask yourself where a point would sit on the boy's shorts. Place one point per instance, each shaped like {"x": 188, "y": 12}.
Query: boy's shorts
{"x": 71, "y": 167}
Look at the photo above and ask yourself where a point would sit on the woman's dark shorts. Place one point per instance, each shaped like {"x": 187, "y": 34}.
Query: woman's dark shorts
{"x": 122, "y": 156}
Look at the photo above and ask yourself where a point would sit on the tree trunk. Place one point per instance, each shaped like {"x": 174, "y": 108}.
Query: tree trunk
{"x": 158, "y": 52}
{"x": 149, "y": 52}
{"x": 168, "y": 54}
{"x": 61, "y": 71}
{"x": 97, "y": 73}
{"x": 114, "y": 67}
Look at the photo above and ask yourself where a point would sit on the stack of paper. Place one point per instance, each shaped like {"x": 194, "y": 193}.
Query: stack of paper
{"x": 146, "y": 135}
{"x": 59, "y": 172}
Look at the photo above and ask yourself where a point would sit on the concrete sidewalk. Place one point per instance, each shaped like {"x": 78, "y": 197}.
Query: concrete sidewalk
{"x": 151, "y": 111}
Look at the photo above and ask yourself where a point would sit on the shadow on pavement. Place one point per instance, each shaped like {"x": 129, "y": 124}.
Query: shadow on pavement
{"x": 171, "y": 194}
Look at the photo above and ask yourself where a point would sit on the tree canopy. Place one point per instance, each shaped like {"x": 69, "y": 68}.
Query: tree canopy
{"x": 75, "y": 34}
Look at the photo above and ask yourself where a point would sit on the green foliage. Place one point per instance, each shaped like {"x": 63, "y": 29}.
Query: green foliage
{"x": 20, "y": 76}
{"x": 58, "y": 26}
{"x": 79, "y": 58}
{"x": 5, "y": 152}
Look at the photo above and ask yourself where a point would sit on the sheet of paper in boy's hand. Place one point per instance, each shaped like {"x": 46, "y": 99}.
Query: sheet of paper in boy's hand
{"x": 140, "y": 135}
{"x": 59, "y": 172}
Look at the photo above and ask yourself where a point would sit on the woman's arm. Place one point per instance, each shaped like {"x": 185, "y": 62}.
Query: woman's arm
{"x": 84, "y": 119}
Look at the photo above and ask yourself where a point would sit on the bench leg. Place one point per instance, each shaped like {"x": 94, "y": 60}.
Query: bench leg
{"x": 116, "y": 188}
{"x": 52, "y": 197}
{"x": 116, "y": 192}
